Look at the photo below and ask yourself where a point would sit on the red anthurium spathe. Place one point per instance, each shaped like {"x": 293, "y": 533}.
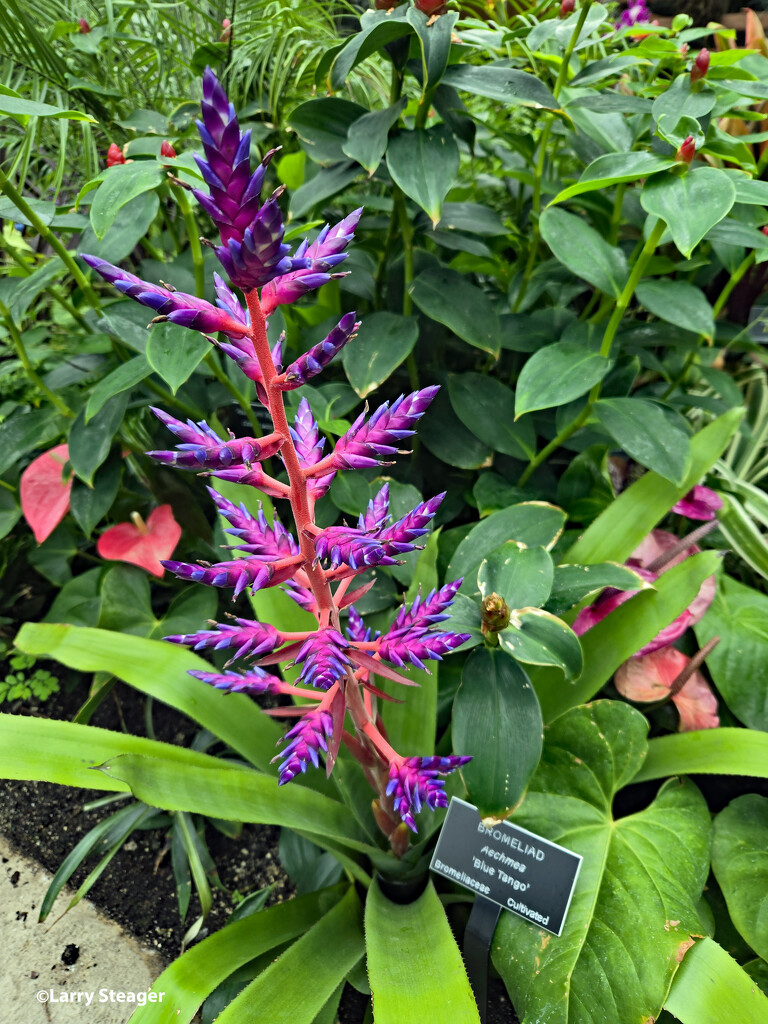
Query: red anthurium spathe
{"x": 699, "y": 503}
{"x": 140, "y": 543}
{"x": 651, "y": 677}
{"x": 45, "y": 492}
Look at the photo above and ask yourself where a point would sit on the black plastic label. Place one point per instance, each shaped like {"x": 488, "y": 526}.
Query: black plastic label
{"x": 515, "y": 868}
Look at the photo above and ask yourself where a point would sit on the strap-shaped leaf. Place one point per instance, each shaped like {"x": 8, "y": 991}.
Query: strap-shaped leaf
{"x": 634, "y": 908}
{"x": 414, "y": 965}
{"x": 723, "y": 751}
{"x": 711, "y": 988}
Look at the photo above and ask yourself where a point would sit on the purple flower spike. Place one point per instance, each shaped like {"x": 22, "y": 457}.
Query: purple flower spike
{"x": 402, "y": 535}
{"x": 309, "y": 736}
{"x": 366, "y": 444}
{"x": 246, "y": 637}
{"x": 318, "y": 357}
{"x": 178, "y": 307}
{"x": 417, "y": 645}
{"x": 357, "y": 631}
{"x": 345, "y": 545}
{"x": 326, "y": 252}
{"x": 253, "y": 477}
{"x": 324, "y": 657}
{"x": 239, "y": 574}
{"x": 377, "y": 512}
{"x": 202, "y": 448}
{"x": 417, "y": 782}
{"x": 699, "y": 503}
{"x": 431, "y": 610}
{"x": 309, "y": 447}
{"x": 259, "y": 537}
{"x": 255, "y": 682}
{"x": 634, "y": 14}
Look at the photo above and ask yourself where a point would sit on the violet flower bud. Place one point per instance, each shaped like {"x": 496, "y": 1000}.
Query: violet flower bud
{"x": 259, "y": 537}
{"x": 318, "y": 357}
{"x": 254, "y": 682}
{"x": 400, "y": 537}
{"x": 309, "y": 444}
{"x": 324, "y": 658}
{"x": 417, "y": 644}
{"x": 202, "y": 447}
{"x": 377, "y": 512}
{"x": 357, "y": 631}
{"x": 431, "y": 610}
{"x": 345, "y": 545}
{"x": 246, "y": 637}
{"x": 416, "y": 782}
{"x": 309, "y": 736}
{"x": 253, "y": 477}
{"x": 239, "y": 574}
{"x": 365, "y": 444}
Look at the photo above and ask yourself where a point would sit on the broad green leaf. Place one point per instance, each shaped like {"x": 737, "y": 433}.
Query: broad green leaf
{"x": 617, "y": 531}
{"x": 424, "y": 163}
{"x": 486, "y": 406}
{"x": 473, "y": 218}
{"x": 465, "y": 618}
{"x": 557, "y": 374}
{"x": 385, "y": 340}
{"x": 497, "y": 719}
{"x": 377, "y": 28}
{"x": 235, "y": 794}
{"x": 573, "y": 583}
{"x": 711, "y": 988}
{"x": 197, "y": 972}
{"x": 10, "y": 513}
{"x": 678, "y": 302}
{"x": 322, "y": 126}
{"x": 625, "y": 631}
{"x": 26, "y": 290}
{"x": 435, "y": 36}
{"x": 689, "y": 204}
{"x": 449, "y": 440}
{"x": 78, "y": 602}
{"x": 161, "y": 671}
{"x": 530, "y": 524}
{"x": 17, "y": 106}
{"x": 743, "y": 535}
{"x": 119, "y": 186}
{"x": 680, "y": 100}
{"x": 123, "y": 378}
{"x": 72, "y": 752}
{"x": 174, "y": 352}
{"x": 130, "y": 224}
{"x": 26, "y": 431}
{"x": 739, "y": 663}
{"x": 740, "y": 863}
{"x": 584, "y": 251}
{"x": 646, "y": 433}
{"x": 423, "y": 976}
{"x": 89, "y": 445}
{"x": 52, "y": 558}
{"x": 502, "y": 83}
{"x": 325, "y": 954}
{"x": 448, "y": 297}
{"x": 521, "y": 575}
{"x": 89, "y": 505}
{"x": 492, "y": 493}
{"x": 724, "y": 751}
{"x": 614, "y": 168}
{"x": 634, "y": 908}
{"x": 536, "y": 637}
{"x": 326, "y": 183}
{"x": 367, "y": 136}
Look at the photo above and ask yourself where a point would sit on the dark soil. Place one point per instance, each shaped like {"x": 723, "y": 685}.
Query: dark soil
{"x": 45, "y": 821}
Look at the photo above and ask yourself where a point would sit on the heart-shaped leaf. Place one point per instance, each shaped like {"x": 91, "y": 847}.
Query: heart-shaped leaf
{"x": 142, "y": 544}
{"x": 425, "y": 163}
{"x": 690, "y": 204}
{"x": 740, "y": 863}
{"x": 45, "y": 493}
{"x": 584, "y": 251}
{"x": 521, "y": 575}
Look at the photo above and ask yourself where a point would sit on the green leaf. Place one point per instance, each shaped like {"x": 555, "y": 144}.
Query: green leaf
{"x": 78, "y": 602}
{"x": 425, "y": 164}
{"x": 89, "y": 445}
{"x": 435, "y": 37}
{"x": 10, "y": 513}
{"x": 574, "y": 583}
{"x": 119, "y": 186}
{"x": 411, "y": 977}
{"x": 740, "y": 863}
{"x": 449, "y": 440}
{"x": 89, "y": 505}
{"x": 614, "y": 168}
{"x": 385, "y": 340}
{"x": 26, "y": 431}
{"x": 502, "y": 83}
{"x": 123, "y": 378}
{"x": 743, "y": 535}
{"x": 680, "y": 100}
{"x": 711, "y": 988}
{"x": 634, "y": 907}
{"x": 326, "y": 183}
{"x": 557, "y": 374}
{"x": 377, "y": 28}
{"x": 448, "y": 297}
{"x": 366, "y": 140}
{"x": 322, "y": 125}
{"x": 473, "y": 218}
{"x": 739, "y": 663}
{"x": 536, "y": 637}
{"x": 679, "y": 303}
{"x": 486, "y": 406}
{"x": 530, "y": 524}
{"x": 174, "y": 352}
{"x": 584, "y": 251}
{"x": 198, "y": 971}
{"x": 723, "y": 751}
{"x": 17, "y": 106}
{"x": 308, "y": 867}
{"x": 161, "y": 671}
{"x": 689, "y": 204}
{"x": 646, "y": 433}
{"x": 26, "y": 290}
{"x": 131, "y": 223}
{"x": 496, "y": 718}
{"x": 617, "y": 531}
{"x": 522, "y": 576}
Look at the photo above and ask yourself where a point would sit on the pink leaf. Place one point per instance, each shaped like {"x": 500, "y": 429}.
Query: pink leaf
{"x": 650, "y": 678}
{"x": 142, "y": 544}
{"x": 45, "y": 493}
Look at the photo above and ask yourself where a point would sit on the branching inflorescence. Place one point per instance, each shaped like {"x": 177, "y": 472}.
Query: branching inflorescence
{"x": 316, "y": 566}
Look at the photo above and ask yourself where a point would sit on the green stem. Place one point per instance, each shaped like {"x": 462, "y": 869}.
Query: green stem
{"x": 7, "y": 486}
{"x": 555, "y": 443}
{"x": 151, "y": 250}
{"x": 53, "y": 292}
{"x": 30, "y": 371}
{"x": 618, "y": 201}
{"x": 55, "y": 243}
{"x": 195, "y": 249}
{"x": 563, "y": 73}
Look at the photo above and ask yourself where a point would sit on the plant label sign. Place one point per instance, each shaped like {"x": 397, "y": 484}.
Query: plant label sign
{"x": 509, "y": 865}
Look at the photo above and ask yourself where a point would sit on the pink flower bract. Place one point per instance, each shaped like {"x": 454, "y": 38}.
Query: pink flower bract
{"x": 45, "y": 493}
{"x": 650, "y": 678}
{"x": 145, "y": 547}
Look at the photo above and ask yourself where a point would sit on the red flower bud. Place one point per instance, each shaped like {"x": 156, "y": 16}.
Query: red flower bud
{"x": 430, "y": 7}
{"x": 700, "y": 65}
{"x": 765, "y": 229}
{"x": 385, "y": 5}
{"x": 114, "y": 155}
{"x": 687, "y": 151}
{"x": 684, "y": 50}
{"x": 84, "y": 26}
{"x": 226, "y": 30}
{"x": 567, "y": 7}
{"x": 167, "y": 150}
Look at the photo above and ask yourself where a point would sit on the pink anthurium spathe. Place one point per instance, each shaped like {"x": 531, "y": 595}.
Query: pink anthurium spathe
{"x": 142, "y": 543}
{"x": 45, "y": 492}
{"x": 651, "y": 678}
